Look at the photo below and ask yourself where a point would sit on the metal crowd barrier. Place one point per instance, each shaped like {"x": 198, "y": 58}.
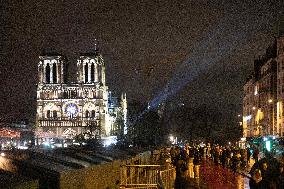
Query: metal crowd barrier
{"x": 146, "y": 176}
{"x": 168, "y": 178}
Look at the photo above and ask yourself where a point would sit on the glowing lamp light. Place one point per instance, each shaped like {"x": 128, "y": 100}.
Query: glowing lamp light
{"x": 46, "y": 144}
{"x": 22, "y": 147}
{"x": 243, "y": 139}
{"x": 270, "y": 100}
{"x": 246, "y": 118}
{"x": 268, "y": 145}
{"x": 2, "y": 154}
{"x": 107, "y": 141}
{"x": 255, "y": 90}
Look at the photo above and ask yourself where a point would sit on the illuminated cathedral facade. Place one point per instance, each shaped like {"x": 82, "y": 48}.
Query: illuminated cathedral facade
{"x": 66, "y": 109}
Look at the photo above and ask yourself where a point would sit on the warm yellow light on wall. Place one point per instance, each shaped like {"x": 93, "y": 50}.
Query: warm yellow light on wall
{"x": 279, "y": 110}
{"x": 259, "y": 116}
{"x": 255, "y": 90}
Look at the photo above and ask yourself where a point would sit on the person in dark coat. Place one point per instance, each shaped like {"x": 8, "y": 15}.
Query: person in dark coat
{"x": 256, "y": 181}
{"x": 223, "y": 157}
{"x": 255, "y": 154}
{"x": 280, "y": 177}
{"x": 265, "y": 173}
{"x": 196, "y": 157}
{"x": 248, "y": 155}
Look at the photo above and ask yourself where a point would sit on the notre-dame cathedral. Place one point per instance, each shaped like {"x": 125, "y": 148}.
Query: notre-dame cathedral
{"x": 65, "y": 109}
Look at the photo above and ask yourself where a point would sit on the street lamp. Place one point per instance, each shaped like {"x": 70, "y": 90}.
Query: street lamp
{"x": 171, "y": 137}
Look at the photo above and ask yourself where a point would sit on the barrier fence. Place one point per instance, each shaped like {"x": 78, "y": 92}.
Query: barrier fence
{"x": 168, "y": 178}
{"x": 146, "y": 176}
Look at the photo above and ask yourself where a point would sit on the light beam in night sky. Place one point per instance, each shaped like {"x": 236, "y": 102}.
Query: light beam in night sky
{"x": 231, "y": 33}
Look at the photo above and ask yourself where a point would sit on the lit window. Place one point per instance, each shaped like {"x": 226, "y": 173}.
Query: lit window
{"x": 71, "y": 110}
{"x": 255, "y": 90}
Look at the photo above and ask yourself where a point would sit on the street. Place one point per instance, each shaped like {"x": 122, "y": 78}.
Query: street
{"x": 215, "y": 177}
{"x": 222, "y": 178}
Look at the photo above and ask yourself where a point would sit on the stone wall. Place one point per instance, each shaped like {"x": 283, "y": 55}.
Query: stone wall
{"x": 103, "y": 176}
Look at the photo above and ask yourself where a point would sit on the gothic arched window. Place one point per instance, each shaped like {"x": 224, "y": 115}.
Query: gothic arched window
{"x": 47, "y": 73}
{"x": 54, "y": 72}
{"x": 92, "y": 72}
{"x": 86, "y": 73}
{"x": 54, "y": 114}
{"x": 87, "y": 113}
{"x": 93, "y": 113}
{"x": 48, "y": 113}
{"x": 73, "y": 94}
{"x": 99, "y": 72}
{"x": 65, "y": 94}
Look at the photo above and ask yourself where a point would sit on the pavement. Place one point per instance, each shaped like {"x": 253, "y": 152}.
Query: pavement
{"x": 216, "y": 177}
{"x": 189, "y": 183}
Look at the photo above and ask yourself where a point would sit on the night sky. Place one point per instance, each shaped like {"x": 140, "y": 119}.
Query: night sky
{"x": 202, "y": 50}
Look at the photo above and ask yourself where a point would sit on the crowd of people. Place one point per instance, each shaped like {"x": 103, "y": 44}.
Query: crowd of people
{"x": 266, "y": 172}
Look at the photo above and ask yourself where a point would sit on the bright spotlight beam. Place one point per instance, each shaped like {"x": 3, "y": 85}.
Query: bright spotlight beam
{"x": 231, "y": 33}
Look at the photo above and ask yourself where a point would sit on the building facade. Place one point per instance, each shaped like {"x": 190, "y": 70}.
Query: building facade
{"x": 263, "y": 101}
{"x": 267, "y": 98}
{"x": 66, "y": 109}
{"x": 248, "y": 107}
{"x": 280, "y": 83}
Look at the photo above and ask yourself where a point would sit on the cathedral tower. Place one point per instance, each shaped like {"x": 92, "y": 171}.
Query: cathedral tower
{"x": 91, "y": 69}
{"x": 51, "y": 69}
